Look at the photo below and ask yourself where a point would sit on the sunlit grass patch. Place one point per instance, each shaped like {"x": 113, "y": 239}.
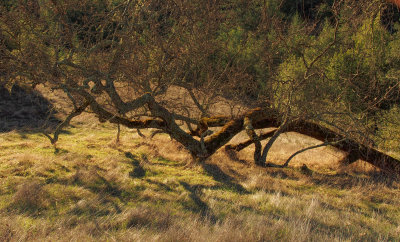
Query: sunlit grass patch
{"x": 30, "y": 197}
{"x": 93, "y": 188}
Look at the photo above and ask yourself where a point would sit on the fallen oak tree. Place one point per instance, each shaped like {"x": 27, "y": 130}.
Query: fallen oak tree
{"x": 256, "y": 118}
{"x": 123, "y": 74}
{"x": 355, "y": 150}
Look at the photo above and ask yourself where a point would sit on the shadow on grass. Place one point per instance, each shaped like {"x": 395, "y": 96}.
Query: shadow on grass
{"x": 25, "y": 111}
{"x": 220, "y": 176}
{"x": 93, "y": 181}
{"x": 160, "y": 184}
{"x": 201, "y": 207}
{"x": 137, "y": 171}
{"x": 234, "y": 156}
{"x": 59, "y": 151}
{"x": 339, "y": 180}
{"x": 346, "y": 181}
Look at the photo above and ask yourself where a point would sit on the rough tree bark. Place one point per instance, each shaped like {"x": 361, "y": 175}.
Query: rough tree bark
{"x": 256, "y": 118}
{"x": 131, "y": 73}
{"x": 355, "y": 149}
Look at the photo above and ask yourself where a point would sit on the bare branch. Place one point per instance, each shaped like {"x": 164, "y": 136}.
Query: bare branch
{"x": 303, "y": 150}
{"x": 253, "y": 137}
{"x": 65, "y": 123}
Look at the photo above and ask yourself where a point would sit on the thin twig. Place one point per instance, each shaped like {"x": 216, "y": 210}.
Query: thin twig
{"x": 309, "y": 148}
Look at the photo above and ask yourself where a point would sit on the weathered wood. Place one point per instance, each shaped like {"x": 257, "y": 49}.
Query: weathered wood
{"x": 206, "y": 122}
{"x": 260, "y": 118}
{"x": 356, "y": 150}
{"x": 303, "y": 150}
{"x": 255, "y": 139}
{"x": 241, "y": 146}
{"x": 65, "y": 123}
{"x": 233, "y": 127}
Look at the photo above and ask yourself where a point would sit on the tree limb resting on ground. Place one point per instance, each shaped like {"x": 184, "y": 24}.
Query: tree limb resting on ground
{"x": 355, "y": 150}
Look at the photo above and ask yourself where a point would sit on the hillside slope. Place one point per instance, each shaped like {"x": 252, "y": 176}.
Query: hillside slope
{"x": 91, "y": 188}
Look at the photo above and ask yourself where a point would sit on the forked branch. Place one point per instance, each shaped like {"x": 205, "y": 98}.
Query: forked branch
{"x": 77, "y": 111}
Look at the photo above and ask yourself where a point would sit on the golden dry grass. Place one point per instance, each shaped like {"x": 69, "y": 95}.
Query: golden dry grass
{"x": 92, "y": 189}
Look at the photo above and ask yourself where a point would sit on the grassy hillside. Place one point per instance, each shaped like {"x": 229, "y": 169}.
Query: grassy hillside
{"x": 91, "y": 188}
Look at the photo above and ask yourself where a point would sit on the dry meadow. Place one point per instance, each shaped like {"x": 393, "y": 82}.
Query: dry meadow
{"x": 90, "y": 188}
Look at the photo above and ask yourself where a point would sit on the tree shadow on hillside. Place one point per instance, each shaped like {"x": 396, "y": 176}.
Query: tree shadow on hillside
{"x": 137, "y": 169}
{"x": 25, "y": 111}
{"x": 340, "y": 180}
{"x": 344, "y": 180}
{"x": 201, "y": 207}
{"x": 220, "y": 176}
{"x": 233, "y": 155}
